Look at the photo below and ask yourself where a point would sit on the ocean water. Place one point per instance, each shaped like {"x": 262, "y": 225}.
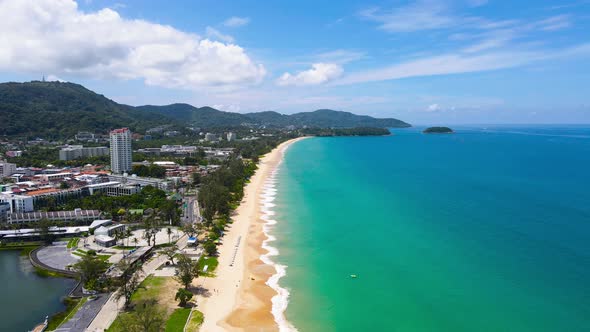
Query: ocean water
{"x": 487, "y": 229}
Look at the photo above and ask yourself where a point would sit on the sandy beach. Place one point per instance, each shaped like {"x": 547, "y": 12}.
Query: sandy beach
{"x": 238, "y": 298}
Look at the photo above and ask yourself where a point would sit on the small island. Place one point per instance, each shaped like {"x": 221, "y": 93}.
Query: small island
{"x": 438, "y": 130}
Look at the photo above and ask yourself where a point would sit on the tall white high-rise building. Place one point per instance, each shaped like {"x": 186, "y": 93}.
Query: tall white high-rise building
{"x": 121, "y": 150}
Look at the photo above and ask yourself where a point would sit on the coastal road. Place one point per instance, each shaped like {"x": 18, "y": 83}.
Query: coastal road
{"x": 191, "y": 210}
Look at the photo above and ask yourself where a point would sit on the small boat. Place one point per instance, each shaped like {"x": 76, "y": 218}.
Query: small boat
{"x": 353, "y": 275}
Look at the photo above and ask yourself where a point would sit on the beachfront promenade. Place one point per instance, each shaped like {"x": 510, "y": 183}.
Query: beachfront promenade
{"x": 107, "y": 315}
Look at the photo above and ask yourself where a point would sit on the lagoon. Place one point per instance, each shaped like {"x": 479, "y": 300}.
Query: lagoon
{"x": 27, "y": 298}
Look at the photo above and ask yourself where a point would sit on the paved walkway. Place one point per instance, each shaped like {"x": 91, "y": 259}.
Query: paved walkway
{"x": 111, "y": 308}
{"x": 84, "y": 316}
{"x": 56, "y": 256}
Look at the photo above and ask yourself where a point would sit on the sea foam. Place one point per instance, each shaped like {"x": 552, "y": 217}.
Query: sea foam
{"x": 281, "y": 300}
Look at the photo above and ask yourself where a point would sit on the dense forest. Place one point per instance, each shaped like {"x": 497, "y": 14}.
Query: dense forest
{"x": 359, "y": 131}
{"x": 60, "y": 110}
{"x": 438, "y": 130}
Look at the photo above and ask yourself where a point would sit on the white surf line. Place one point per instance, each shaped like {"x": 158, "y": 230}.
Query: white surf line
{"x": 281, "y": 300}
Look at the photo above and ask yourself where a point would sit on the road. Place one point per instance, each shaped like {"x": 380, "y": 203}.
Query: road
{"x": 191, "y": 210}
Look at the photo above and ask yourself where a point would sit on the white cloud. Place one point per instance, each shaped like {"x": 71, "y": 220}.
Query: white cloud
{"x": 462, "y": 63}
{"x": 235, "y": 21}
{"x": 318, "y": 74}
{"x": 228, "y": 108}
{"x": 53, "y": 78}
{"x": 55, "y": 36}
{"x": 340, "y": 56}
{"x": 554, "y": 23}
{"x": 422, "y": 15}
{"x": 433, "y": 108}
{"x": 216, "y": 34}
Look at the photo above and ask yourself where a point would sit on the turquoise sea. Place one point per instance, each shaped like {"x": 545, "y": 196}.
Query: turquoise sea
{"x": 487, "y": 229}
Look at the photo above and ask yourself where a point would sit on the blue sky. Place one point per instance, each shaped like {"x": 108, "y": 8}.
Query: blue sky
{"x": 426, "y": 62}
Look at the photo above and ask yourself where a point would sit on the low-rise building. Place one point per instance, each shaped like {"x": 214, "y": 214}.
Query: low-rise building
{"x": 14, "y": 153}
{"x": 44, "y": 197}
{"x": 109, "y": 230}
{"x": 66, "y": 216}
{"x": 143, "y": 182}
{"x": 56, "y": 176}
{"x": 7, "y": 169}
{"x": 4, "y": 211}
{"x": 209, "y": 137}
{"x": 78, "y": 151}
{"x": 105, "y": 241}
{"x": 18, "y": 203}
{"x": 85, "y": 136}
{"x": 114, "y": 189}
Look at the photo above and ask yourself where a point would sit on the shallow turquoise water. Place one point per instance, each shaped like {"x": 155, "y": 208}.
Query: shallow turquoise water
{"x": 482, "y": 230}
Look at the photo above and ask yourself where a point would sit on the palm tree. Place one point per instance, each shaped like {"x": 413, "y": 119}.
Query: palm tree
{"x": 117, "y": 237}
{"x": 169, "y": 232}
{"x": 127, "y": 235}
{"x": 135, "y": 241}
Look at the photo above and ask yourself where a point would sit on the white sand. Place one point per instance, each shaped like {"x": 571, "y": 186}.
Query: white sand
{"x": 238, "y": 298}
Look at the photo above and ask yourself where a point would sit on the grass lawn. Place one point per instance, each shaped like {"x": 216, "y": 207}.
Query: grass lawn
{"x": 116, "y": 326}
{"x": 72, "y": 305}
{"x": 49, "y": 274}
{"x": 82, "y": 253}
{"x": 177, "y": 320}
{"x": 125, "y": 247}
{"x": 73, "y": 243}
{"x": 151, "y": 288}
{"x": 26, "y": 247}
{"x": 209, "y": 261}
{"x": 196, "y": 321}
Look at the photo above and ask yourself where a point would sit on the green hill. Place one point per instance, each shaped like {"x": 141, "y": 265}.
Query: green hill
{"x": 59, "y": 110}
{"x": 55, "y": 109}
{"x": 198, "y": 116}
{"x": 438, "y": 130}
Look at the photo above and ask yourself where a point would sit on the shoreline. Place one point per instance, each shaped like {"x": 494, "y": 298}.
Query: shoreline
{"x": 239, "y": 297}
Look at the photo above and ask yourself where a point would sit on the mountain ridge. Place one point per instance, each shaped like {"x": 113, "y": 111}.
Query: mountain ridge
{"x": 61, "y": 109}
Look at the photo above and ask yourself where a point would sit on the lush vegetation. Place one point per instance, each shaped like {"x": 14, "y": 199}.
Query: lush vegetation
{"x": 117, "y": 207}
{"x": 144, "y": 313}
{"x": 147, "y": 316}
{"x": 211, "y": 262}
{"x": 151, "y": 171}
{"x": 187, "y": 270}
{"x": 357, "y": 131}
{"x": 195, "y": 321}
{"x": 91, "y": 268}
{"x": 46, "y": 109}
{"x": 73, "y": 243}
{"x": 177, "y": 320}
{"x": 438, "y": 130}
{"x": 41, "y": 156}
{"x": 211, "y": 118}
{"x": 72, "y": 305}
